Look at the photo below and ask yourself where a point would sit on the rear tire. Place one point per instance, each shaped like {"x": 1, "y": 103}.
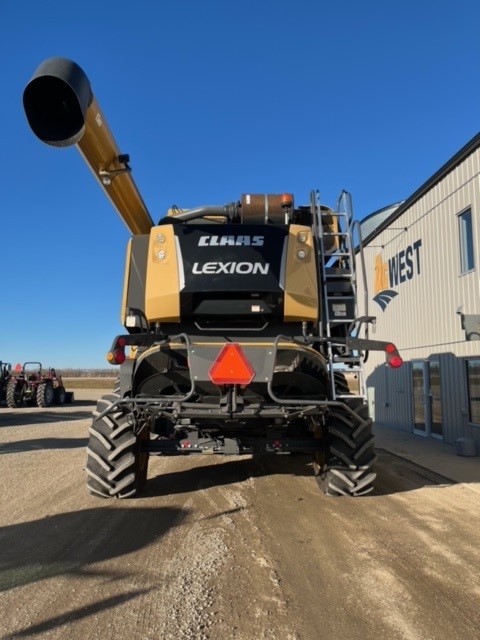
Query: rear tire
{"x": 116, "y": 465}
{"x": 60, "y": 395}
{"x": 45, "y": 394}
{"x": 347, "y": 466}
{"x": 14, "y": 395}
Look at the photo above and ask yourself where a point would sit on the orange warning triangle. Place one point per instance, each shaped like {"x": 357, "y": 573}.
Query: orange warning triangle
{"x": 231, "y": 366}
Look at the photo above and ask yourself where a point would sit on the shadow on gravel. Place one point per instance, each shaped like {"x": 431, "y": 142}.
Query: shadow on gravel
{"x": 15, "y": 417}
{"x": 394, "y": 474}
{"x": 77, "y": 614}
{"x": 41, "y": 444}
{"x": 72, "y": 543}
{"x": 225, "y": 471}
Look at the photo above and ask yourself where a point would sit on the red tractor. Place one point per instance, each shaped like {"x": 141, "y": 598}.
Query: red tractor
{"x": 31, "y": 386}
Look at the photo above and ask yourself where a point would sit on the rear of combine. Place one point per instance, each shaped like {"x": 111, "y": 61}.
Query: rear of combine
{"x": 241, "y": 321}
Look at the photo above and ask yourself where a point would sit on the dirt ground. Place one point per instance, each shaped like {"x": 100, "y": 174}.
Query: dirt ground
{"x": 226, "y": 548}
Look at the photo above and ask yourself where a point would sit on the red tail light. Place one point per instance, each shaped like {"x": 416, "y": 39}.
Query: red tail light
{"x": 231, "y": 367}
{"x": 116, "y": 357}
{"x": 395, "y": 361}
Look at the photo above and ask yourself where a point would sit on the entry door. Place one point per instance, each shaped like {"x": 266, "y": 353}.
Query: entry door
{"x": 419, "y": 398}
{"x": 427, "y": 398}
{"x": 435, "y": 395}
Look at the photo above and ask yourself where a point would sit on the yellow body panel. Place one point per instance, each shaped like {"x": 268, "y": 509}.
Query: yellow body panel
{"x": 301, "y": 288}
{"x": 162, "y": 287}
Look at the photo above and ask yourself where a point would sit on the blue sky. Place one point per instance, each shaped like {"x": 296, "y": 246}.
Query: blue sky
{"x": 213, "y": 99}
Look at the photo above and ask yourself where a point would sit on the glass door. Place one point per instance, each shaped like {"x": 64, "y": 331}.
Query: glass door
{"x": 427, "y": 398}
{"x": 419, "y": 398}
{"x": 435, "y": 395}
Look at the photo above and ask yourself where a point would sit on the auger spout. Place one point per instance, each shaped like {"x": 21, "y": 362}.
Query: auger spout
{"x": 62, "y": 111}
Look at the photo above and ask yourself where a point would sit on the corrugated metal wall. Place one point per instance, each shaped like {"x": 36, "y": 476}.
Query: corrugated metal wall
{"x": 418, "y": 259}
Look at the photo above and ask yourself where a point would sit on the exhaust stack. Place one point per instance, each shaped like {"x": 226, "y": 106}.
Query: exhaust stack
{"x": 62, "y": 111}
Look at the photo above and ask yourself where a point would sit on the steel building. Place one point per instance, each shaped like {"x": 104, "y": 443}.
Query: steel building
{"x": 422, "y": 264}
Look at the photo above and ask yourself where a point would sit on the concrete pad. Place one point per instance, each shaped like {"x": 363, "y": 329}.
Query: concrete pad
{"x": 430, "y": 453}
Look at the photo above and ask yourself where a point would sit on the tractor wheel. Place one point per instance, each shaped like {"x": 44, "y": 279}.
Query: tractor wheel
{"x": 45, "y": 394}
{"x": 14, "y": 394}
{"x": 60, "y": 395}
{"x": 116, "y": 465}
{"x": 346, "y": 467}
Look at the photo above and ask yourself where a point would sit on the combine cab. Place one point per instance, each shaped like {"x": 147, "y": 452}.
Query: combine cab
{"x": 241, "y": 320}
{"x": 31, "y": 386}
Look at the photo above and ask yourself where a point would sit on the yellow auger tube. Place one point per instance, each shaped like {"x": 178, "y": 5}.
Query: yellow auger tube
{"x": 62, "y": 111}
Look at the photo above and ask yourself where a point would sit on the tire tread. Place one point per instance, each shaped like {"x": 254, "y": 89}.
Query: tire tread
{"x": 116, "y": 467}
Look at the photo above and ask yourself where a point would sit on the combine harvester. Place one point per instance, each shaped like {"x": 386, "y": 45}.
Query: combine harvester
{"x": 242, "y": 320}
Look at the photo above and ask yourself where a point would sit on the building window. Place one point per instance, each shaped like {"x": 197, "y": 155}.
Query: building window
{"x": 473, "y": 384}
{"x": 467, "y": 259}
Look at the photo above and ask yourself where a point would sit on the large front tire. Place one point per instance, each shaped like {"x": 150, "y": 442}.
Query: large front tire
{"x": 116, "y": 465}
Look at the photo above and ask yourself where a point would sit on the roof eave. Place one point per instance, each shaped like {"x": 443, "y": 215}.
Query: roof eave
{"x": 457, "y": 159}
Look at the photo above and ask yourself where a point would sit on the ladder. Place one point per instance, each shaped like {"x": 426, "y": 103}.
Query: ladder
{"x": 339, "y": 289}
